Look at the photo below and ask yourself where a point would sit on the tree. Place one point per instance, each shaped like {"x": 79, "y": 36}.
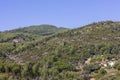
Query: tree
{"x": 35, "y": 69}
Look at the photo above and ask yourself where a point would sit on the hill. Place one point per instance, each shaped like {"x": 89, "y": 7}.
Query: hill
{"x": 85, "y": 53}
{"x": 42, "y": 30}
{"x": 30, "y": 33}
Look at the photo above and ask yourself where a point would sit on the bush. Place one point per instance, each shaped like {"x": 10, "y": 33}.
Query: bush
{"x": 117, "y": 66}
{"x": 91, "y": 67}
{"x": 96, "y": 59}
{"x": 102, "y": 71}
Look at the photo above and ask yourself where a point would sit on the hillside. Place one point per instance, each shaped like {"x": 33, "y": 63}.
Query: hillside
{"x": 42, "y": 30}
{"x": 103, "y": 33}
{"x": 30, "y": 33}
{"x": 78, "y": 54}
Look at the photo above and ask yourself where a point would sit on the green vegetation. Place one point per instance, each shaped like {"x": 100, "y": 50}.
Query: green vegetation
{"x": 41, "y": 30}
{"x": 51, "y": 53}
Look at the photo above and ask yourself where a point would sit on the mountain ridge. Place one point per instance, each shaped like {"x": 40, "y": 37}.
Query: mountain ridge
{"x": 38, "y": 29}
{"x": 30, "y": 33}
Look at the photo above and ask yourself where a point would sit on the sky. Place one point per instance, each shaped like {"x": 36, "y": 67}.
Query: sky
{"x": 61, "y": 13}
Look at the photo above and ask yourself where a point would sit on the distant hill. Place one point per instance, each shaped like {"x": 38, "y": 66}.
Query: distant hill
{"x": 30, "y": 33}
{"x": 42, "y": 30}
{"x": 77, "y": 54}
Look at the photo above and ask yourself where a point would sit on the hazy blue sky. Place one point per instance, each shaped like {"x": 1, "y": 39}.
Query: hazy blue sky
{"x": 62, "y": 13}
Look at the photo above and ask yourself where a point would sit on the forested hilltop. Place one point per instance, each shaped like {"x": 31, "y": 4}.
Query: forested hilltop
{"x": 91, "y": 52}
{"x": 30, "y": 33}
